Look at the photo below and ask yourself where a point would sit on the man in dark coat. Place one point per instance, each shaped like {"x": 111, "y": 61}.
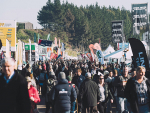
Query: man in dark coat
{"x": 89, "y": 95}
{"x": 63, "y": 94}
{"x": 14, "y": 97}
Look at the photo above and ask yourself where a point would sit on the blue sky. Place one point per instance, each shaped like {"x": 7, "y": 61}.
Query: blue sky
{"x": 27, "y": 10}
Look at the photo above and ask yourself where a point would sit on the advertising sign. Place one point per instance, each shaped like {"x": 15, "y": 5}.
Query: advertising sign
{"x": 8, "y": 31}
{"x": 139, "y": 16}
{"x": 117, "y": 31}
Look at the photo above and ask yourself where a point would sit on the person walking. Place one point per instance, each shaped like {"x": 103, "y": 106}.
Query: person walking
{"x": 105, "y": 95}
{"x": 33, "y": 95}
{"x": 89, "y": 95}
{"x": 63, "y": 94}
{"x": 120, "y": 84}
{"x": 139, "y": 94}
{"x": 14, "y": 97}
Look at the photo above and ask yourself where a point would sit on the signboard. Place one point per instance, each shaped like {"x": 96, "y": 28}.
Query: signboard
{"x": 42, "y": 50}
{"x": 139, "y": 16}
{"x": 117, "y": 31}
{"x": 32, "y": 56}
{"x": 8, "y": 31}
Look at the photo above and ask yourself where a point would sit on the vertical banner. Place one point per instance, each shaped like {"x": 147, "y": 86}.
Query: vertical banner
{"x": 59, "y": 43}
{"x": 100, "y": 56}
{"x": 139, "y": 53}
{"x": 55, "y": 41}
{"x": 62, "y": 47}
{"x": 30, "y": 50}
{"x": 35, "y": 37}
{"x": 139, "y": 16}
{"x": 23, "y": 53}
{"x": 7, "y": 48}
{"x": 117, "y": 31}
{"x": 19, "y": 50}
{"x": 38, "y": 38}
{"x": 48, "y": 37}
{"x": 91, "y": 47}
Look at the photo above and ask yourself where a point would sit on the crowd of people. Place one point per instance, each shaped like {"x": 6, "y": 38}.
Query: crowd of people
{"x": 73, "y": 86}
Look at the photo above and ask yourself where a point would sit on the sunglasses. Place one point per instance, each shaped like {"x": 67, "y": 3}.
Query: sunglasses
{"x": 101, "y": 78}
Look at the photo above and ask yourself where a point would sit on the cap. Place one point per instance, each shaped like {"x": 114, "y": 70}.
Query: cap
{"x": 106, "y": 72}
{"x": 69, "y": 78}
{"x": 61, "y": 75}
{"x": 88, "y": 75}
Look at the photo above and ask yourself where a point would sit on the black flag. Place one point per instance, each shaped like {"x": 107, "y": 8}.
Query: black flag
{"x": 45, "y": 42}
{"x": 139, "y": 53}
{"x": 0, "y": 44}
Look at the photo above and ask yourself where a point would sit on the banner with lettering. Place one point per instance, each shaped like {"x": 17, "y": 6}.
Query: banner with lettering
{"x": 139, "y": 53}
{"x": 139, "y": 17}
{"x": 117, "y": 31}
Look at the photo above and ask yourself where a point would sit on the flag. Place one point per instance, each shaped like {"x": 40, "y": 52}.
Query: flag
{"x": 55, "y": 41}
{"x": 139, "y": 53}
{"x": 0, "y": 44}
{"x": 100, "y": 56}
{"x": 97, "y": 46}
{"x": 48, "y": 36}
{"x": 62, "y": 47}
{"x": 38, "y": 38}
{"x": 59, "y": 43}
{"x": 34, "y": 37}
{"x": 45, "y": 42}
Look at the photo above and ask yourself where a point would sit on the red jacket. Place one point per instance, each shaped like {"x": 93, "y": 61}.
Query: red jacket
{"x": 33, "y": 93}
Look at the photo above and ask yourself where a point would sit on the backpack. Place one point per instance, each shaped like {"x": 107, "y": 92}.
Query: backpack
{"x": 50, "y": 84}
{"x": 42, "y": 77}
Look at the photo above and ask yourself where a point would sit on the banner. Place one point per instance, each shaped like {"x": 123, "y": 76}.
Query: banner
{"x": 59, "y": 56}
{"x": 48, "y": 37}
{"x": 100, "y": 56}
{"x": 0, "y": 44}
{"x": 139, "y": 16}
{"x": 89, "y": 56}
{"x": 45, "y": 42}
{"x": 55, "y": 41}
{"x": 139, "y": 53}
{"x": 35, "y": 37}
{"x": 52, "y": 56}
{"x": 62, "y": 47}
{"x": 91, "y": 47}
{"x": 97, "y": 46}
{"x": 117, "y": 31}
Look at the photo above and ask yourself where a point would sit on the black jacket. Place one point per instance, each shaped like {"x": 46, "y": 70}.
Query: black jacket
{"x": 62, "y": 96}
{"x": 117, "y": 83}
{"x": 14, "y": 97}
{"x": 130, "y": 94}
{"x": 77, "y": 80}
{"x": 89, "y": 93}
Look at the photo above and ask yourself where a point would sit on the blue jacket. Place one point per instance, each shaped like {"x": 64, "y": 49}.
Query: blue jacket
{"x": 77, "y": 80}
{"x": 63, "y": 94}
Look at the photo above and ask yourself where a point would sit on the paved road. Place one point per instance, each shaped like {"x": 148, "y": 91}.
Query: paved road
{"x": 41, "y": 106}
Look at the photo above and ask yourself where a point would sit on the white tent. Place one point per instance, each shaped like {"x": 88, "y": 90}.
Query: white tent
{"x": 109, "y": 50}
